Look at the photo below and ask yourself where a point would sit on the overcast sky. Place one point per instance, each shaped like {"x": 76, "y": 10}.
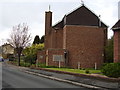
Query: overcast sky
{"x": 32, "y": 12}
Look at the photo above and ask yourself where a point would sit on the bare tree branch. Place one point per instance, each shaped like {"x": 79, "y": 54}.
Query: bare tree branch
{"x": 20, "y": 38}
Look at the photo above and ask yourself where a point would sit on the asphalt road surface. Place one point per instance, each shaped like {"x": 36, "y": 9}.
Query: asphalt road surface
{"x": 0, "y": 75}
{"x": 14, "y": 78}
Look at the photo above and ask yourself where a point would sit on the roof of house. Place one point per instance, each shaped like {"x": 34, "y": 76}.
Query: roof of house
{"x": 6, "y": 44}
{"x": 80, "y": 16}
{"x": 116, "y": 26}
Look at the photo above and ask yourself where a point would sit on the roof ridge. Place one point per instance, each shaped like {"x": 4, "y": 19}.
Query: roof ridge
{"x": 116, "y": 26}
{"x": 72, "y": 11}
{"x": 80, "y": 7}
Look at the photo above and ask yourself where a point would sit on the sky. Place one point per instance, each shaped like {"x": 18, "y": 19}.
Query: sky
{"x": 32, "y": 12}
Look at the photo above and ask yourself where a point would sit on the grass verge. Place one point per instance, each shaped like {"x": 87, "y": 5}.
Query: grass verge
{"x": 77, "y": 70}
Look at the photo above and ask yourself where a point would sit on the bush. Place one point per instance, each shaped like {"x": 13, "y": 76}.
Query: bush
{"x": 25, "y": 64}
{"x": 111, "y": 70}
{"x": 51, "y": 67}
{"x": 30, "y": 53}
{"x": 87, "y": 71}
{"x": 42, "y": 65}
{"x": 30, "y": 59}
{"x": 11, "y": 58}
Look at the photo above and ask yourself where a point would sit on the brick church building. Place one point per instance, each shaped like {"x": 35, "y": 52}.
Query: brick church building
{"x": 77, "y": 41}
{"x": 116, "y": 29}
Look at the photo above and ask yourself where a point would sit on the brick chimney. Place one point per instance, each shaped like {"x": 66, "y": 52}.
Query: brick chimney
{"x": 48, "y": 28}
{"x": 48, "y": 22}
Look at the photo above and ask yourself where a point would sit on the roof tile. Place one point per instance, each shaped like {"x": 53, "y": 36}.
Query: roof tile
{"x": 80, "y": 16}
{"x": 116, "y": 26}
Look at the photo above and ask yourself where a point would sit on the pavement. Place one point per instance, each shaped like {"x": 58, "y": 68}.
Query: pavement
{"x": 73, "y": 79}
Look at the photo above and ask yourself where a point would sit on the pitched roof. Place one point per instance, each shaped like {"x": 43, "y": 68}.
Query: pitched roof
{"x": 6, "y": 44}
{"x": 116, "y": 26}
{"x": 80, "y": 16}
{"x": 60, "y": 24}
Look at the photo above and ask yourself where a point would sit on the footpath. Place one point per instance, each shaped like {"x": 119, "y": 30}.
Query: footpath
{"x": 93, "y": 81}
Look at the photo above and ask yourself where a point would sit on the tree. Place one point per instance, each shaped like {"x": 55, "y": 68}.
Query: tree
{"x": 36, "y": 40}
{"x": 19, "y": 39}
{"x": 109, "y": 50}
{"x": 42, "y": 39}
{"x": 31, "y": 52}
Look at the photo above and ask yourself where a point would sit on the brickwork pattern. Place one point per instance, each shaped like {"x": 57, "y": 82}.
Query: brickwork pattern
{"x": 57, "y": 38}
{"x": 85, "y": 45}
{"x": 117, "y": 46}
{"x": 52, "y": 52}
{"x": 41, "y": 56}
{"x": 48, "y": 29}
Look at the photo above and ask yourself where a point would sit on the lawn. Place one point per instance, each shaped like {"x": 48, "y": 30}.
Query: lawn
{"x": 76, "y": 70}
{"x": 91, "y": 71}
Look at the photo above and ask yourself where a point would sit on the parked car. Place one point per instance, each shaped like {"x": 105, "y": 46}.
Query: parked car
{"x": 1, "y": 59}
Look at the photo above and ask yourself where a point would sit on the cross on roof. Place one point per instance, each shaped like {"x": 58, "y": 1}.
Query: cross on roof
{"x": 82, "y": 2}
{"x": 49, "y": 7}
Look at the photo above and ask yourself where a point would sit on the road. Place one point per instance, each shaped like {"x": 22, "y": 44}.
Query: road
{"x": 14, "y": 78}
{"x": 0, "y": 75}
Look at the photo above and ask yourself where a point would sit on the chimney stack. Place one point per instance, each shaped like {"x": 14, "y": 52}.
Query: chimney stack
{"x": 48, "y": 28}
{"x": 48, "y": 22}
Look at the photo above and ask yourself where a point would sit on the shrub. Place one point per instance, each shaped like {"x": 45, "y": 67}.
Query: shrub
{"x": 111, "y": 70}
{"x": 42, "y": 65}
{"x": 30, "y": 59}
{"x": 51, "y": 67}
{"x": 87, "y": 71}
{"x": 25, "y": 64}
{"x": 11, "y": 58}
{"x": 30, "y": 53}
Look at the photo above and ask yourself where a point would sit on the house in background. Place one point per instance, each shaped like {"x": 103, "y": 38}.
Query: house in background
{"x": 7, "y": 50}
{"x": 77, "y": 41}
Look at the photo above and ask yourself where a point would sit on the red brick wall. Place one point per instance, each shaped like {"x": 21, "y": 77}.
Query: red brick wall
{"x": 52, "y": 52}
{"x": 41, "y": 56}
{"x": 85, "y": 45}
{"x": 53, "y": 38}
{"x": 117, "y": 46}
{"x": 57, "y": 38}
{"x": 48, "y": 29}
